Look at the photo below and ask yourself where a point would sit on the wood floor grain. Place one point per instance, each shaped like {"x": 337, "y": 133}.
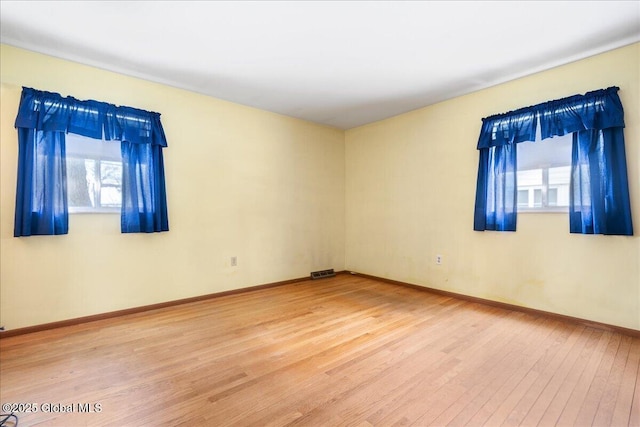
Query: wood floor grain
{"x": 344, "y": 351}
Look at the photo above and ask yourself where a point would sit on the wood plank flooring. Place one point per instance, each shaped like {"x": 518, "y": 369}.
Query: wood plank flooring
{"x": 345, "y": 351}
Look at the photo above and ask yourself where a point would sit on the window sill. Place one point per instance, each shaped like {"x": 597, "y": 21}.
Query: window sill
{"x": 94, "y": 210}
{"x": 543, "y": 210}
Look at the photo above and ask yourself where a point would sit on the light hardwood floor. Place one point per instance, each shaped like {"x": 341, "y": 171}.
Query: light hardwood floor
{"x": 332, "y": 352}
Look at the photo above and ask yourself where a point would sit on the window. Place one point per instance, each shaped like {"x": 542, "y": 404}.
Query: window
{"x": 598, "y": 189}
{"x": 544, "y": 171}
{"x": 94, "y": 175}
{"x": 102, "y": 178}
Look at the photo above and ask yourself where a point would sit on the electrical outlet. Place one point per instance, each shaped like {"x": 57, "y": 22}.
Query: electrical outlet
{"x": 439, "y": 259}
{"x": 234, "y": 261}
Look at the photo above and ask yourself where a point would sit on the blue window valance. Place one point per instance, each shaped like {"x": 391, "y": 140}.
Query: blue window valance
{"x": 599, "y": 192}
{"x": 509, "y": 128}
{"x": 43, "y": 120}
{"x": 47, "y": 111}
{"x": 597, "y": 110}
{"x": 600, "y": 109}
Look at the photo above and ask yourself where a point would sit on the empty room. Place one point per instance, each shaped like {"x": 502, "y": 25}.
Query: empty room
{"x": 331, "y": 213}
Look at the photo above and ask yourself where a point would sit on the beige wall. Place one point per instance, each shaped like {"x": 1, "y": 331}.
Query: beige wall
{"x": 410, "y": 191}
{"x": 271, "y": 190}
{"x": 241, "y": 182}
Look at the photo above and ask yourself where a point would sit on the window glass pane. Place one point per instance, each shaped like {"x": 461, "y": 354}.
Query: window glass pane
{"x": 94, "y": 173}
{"x": 92, "y": 179}
{"x": 550, "y": 152}
{"x": 81, "y": 146}
{"x": 528, "y": 178}
{"x": 537, "y": 198}
{"x": 77, "y": 186}
{"x": 523, "y": 198}
{"x": 544, "y": 168}
{"x": 552, "y": 197}
{"x": 111, "y": 184}
{"x": 559, "y": 182}
{"x": 559, "y": 175}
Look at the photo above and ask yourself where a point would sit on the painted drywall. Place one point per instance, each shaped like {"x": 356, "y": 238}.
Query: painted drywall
{"x": 410, "y": 192}
{"x": 271, "y": 190}
{"x": 241, "y": 182}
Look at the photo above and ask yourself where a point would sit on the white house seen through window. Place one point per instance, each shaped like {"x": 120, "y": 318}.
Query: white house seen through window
{"x": 544, "y": 170}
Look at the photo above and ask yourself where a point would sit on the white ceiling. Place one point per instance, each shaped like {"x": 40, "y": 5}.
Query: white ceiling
{"x": 338, "y": 63}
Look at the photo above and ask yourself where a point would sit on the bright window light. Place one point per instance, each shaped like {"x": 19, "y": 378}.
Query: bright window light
{"x": 544, "y": 170}
{"x": 94, "y": 175}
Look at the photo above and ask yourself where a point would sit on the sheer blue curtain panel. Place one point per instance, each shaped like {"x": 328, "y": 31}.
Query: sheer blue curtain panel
{"x": 599, "y": 192}
{"x": 496, "y": 190}
{"x": 41, "y": 193}
{"x": 142, "y": 183}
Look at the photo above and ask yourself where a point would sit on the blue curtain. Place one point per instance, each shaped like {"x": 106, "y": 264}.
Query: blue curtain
{"x": 41, "y": 196}
{"x": 496, "y": 191}
{"x": 599, "y": 191}
{"x": 142, "y": 182}
{"x": 43, "y": 120}
{"x": 599, "y": 202}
